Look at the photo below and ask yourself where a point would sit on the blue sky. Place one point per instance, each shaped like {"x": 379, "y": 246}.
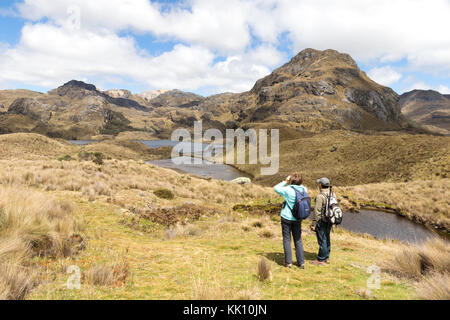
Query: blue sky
{"x": 213, "y": 46}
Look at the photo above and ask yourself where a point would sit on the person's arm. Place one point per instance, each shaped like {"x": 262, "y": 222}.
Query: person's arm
{"x": 282, "y": 188}
{"x": 317, "y": 213}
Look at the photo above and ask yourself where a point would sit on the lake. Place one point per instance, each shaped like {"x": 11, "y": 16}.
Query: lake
{"x": 383, "y": 225}
{"x": 207, "y": 169}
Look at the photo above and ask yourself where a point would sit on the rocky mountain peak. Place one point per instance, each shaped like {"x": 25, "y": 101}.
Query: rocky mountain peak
{"x": 311, "y": 64}
{"x": 75, "y": 89}
{"x": 328, "y": 81}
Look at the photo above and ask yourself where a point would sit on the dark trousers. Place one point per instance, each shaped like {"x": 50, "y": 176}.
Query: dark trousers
{"x": 294, "y": 228}
{"x": 323, "y": 231}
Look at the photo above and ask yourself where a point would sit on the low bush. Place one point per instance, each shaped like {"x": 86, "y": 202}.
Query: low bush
{"x": 164, "y": 194}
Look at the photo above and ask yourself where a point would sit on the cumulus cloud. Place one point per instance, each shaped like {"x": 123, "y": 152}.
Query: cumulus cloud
{"x": 49, "y": 54}
{"x": 384, "y": 75}
{"x": 444, "y": 89}
{"x": 84, "y": 38}
{"x": 420, "y": 85}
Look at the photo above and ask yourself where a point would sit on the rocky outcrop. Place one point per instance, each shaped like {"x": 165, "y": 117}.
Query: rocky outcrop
{"x": 176, "y": 99}
{"x": 32, "y": 108}
{"x": 384, "y": 104}
{"x": 242, "y": 181}
{"x": 152, "y": 94}
{"x": 119, "y": 93}
{"x": 78, "y": 90}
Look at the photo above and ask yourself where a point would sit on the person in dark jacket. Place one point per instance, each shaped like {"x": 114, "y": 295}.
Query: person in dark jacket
{"x": 320, "y": 225}
{"x": 290, "y": 225}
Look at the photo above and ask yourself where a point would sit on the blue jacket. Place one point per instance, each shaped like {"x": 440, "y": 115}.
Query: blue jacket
{"x": 288, "y": 194}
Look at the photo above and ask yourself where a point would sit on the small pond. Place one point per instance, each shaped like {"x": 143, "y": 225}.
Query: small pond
{"x": 383, "y": 225}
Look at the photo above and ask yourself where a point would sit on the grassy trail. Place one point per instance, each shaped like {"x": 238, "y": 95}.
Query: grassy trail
{"x": 217, "y": 259}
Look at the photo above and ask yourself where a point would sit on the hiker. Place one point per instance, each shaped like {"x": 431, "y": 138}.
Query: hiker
{"x": 289, "y": 224}
{"x": 320, "y": 225}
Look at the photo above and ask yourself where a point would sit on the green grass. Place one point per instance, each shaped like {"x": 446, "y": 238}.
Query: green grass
{"x": 221, "y": 257}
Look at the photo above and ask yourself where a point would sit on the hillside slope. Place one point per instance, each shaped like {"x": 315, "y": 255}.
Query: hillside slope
{"x": 315, "y": 91}
{"x": 428, "y": 108}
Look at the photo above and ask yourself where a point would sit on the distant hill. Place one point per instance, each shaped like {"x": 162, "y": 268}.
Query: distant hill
{"x": 315, "y": 91}
{"x": 428, "y": 108}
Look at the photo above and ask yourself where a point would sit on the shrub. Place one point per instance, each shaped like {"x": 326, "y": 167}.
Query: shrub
{"x": 98, "y": 158}
{"x": 65, "y": 158}
{"x": 267, "y": 234}
{"x": 164, "y": 194}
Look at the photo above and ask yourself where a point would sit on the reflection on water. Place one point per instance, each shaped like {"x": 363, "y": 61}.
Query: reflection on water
{"x": 382, "y": 225}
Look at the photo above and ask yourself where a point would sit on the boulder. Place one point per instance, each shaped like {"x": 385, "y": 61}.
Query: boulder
{"x": 242, "y": 181}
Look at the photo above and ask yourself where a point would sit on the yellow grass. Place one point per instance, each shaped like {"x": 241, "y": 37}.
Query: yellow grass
{"x": 428, "y": 264}
{"x": 32, "y": 224}
{"x": 424, "y": 201}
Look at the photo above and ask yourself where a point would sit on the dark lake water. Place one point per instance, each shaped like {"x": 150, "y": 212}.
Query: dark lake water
{"x": 206, "y": 169}
{"x": 382, "y": 225}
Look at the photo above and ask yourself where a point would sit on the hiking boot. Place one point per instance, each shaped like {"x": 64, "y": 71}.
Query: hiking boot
{"x": 288, "y": 265}
{"x": 318, "y": 263}
{"x": 301, "y": 266}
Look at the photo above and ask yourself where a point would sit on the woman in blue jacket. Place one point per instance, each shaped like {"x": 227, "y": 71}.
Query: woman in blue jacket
{"x": 289, "y": 224}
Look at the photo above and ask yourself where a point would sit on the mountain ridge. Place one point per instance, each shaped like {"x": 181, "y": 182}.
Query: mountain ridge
{"x": 428, "y": 108}
{"x": 315, "y": 91}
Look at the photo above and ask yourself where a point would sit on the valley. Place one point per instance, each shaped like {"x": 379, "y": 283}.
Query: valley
{"x": 137, "y": 230}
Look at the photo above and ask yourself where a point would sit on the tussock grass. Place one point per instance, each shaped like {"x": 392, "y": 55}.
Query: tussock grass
{"x": 31, "y": 225}
{"x": 16, "y": 281}
{"x": 180, "y": 230}
{"x": 436, "y": 286}
{"x": 123, "y": 182}
{"x": 267, "y": 233}
{"x": 429, "y": 265}
{"x": 416, "y": 261}
{"x": 264, "y": 270}
{"x": 111, "y": 275}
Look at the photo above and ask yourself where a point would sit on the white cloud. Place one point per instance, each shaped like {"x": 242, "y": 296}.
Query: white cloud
{"x": 444, "y": 89}
{"x": 384, "y": 75}
{"x": 48, "y": 55}
{"x": 371, "y": 31}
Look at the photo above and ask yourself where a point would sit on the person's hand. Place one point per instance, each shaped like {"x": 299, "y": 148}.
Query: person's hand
{"x": 313, "y": 228}
{"x": 288, "y": 179}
